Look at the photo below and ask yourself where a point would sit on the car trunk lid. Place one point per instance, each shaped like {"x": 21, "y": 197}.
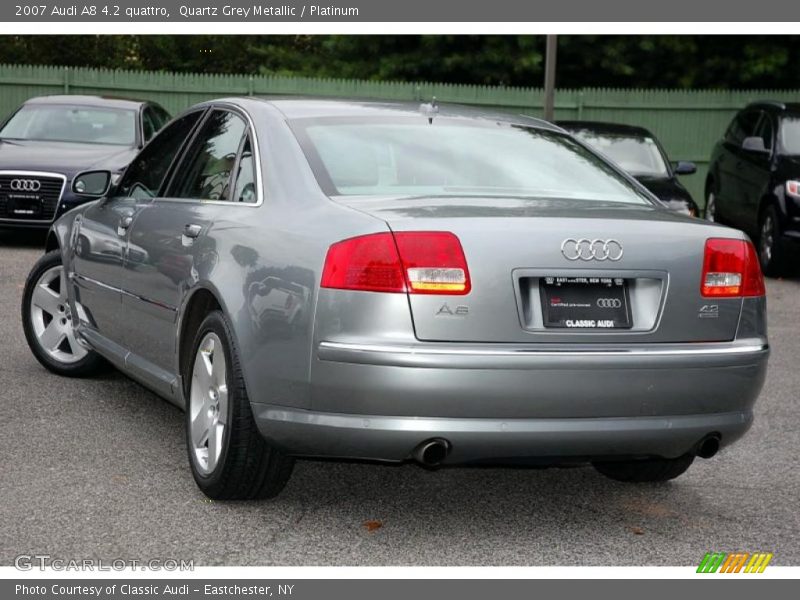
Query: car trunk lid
{"x": 642, "y": 263}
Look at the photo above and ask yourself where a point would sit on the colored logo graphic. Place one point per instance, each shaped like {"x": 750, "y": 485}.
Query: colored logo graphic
{"x": 734, "y": 562}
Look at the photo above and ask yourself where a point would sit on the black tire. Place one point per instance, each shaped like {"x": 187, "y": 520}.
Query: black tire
{"x": 89, "y": 364}
{"x": 711, "y": 209}
{"x": 645, "y": 470}
{"x": 771, "y": 253}
{"x": 248, "y": 466}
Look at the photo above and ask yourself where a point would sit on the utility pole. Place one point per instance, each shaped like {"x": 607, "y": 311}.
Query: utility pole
{"x": 550, "y": 77}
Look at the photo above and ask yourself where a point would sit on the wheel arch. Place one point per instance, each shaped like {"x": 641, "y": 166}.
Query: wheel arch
{"x": 198, "y": 305}
{"x": 710, "y": 179}
{"x": 52, "y": 242}
{"x": 770, "y": 199}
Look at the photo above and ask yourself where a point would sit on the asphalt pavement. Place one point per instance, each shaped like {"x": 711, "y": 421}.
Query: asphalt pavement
{"x": 97, "y": 468}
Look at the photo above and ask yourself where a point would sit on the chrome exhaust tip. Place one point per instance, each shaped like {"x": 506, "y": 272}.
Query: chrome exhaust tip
{"x": 431, "y": 453}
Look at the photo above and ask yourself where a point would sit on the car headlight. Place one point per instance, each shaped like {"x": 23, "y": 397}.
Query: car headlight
{"x": 793, "y": 188}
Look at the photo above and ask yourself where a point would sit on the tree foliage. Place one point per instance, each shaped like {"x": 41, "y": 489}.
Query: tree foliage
{"x": 650, "y": 61}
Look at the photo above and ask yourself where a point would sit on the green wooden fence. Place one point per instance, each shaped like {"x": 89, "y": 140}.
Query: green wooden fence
{"x": 688, "y": 122}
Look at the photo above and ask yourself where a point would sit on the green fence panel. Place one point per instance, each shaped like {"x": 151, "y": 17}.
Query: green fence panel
{"x": 688, "y": 122}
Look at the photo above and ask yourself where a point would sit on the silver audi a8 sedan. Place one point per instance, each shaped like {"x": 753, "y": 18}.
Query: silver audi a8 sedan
{"x": 391, "y": 282}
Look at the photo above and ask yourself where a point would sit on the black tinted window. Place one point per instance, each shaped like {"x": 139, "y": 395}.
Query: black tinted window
{"x": 743, "y": 126}
{"x": 206, "y": 172}
{"x": 149, "y": 125}
{"x": 246, "y": 176}
{"x": 146, "y": 173}
{"x": 765, "y": 131}
{"x": 161, "y": 116}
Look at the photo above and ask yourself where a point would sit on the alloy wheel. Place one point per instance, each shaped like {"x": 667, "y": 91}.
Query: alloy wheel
{"x": 767, "y": 241}
{"x": 711, "y": 208}
{"x": 52, "y": 318}
{"x": 208, "y": 403}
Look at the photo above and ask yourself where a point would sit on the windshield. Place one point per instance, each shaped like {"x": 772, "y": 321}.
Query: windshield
{"x": 409, "y": 156}
{"x": 60, "y": 123}
{"x": 790, "y": 135}
{"x": 636, "y": 155}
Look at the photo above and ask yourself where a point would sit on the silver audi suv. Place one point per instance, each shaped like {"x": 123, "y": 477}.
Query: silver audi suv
{"x": 394, "y": 282}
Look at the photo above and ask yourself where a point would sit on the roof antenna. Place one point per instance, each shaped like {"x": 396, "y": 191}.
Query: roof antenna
{"x": 429, "y": 110}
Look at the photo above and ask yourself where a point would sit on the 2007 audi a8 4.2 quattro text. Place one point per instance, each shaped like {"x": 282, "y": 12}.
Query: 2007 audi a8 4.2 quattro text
{"x": 393, "y": 282}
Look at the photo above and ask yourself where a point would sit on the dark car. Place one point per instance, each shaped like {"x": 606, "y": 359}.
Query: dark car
{"x": 639, "y": 153}
{"x": 48, "y": 140}
{"x": 754, "y": 180}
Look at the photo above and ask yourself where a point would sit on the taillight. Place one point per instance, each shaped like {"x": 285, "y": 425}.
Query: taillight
{"x": 434, "y": 262}
{"x": 731, "y": 269}
{"x": 417, "y": 262}
{"x": 369, "y": 263}
{"x": 793, "y": 189}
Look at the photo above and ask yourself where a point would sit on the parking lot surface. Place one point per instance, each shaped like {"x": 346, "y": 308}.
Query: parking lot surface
{"x": 97, "y": 468}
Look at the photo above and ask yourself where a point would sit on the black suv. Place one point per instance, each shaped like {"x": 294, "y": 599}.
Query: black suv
{"x": 754, "y": 180}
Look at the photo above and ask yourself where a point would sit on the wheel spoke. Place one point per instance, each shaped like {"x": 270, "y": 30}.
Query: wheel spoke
{"x": 52, "y": 336}
{"x": 214, "y": 445}
{"x": 75, "y": 347}
{"x": 202, "y": 371}
{"x": 223, "y": 404}
{"x": 46, "y": 299}
{"x": 218, "y": 376}
{"x": 200, "y": 426}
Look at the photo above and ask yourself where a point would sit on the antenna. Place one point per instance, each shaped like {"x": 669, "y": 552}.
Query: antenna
{"x": 429, "y": 110}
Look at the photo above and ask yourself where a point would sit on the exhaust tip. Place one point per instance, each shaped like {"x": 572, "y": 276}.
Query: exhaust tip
{"x": 709, "y": 446}
{"x": 432, "y": 453}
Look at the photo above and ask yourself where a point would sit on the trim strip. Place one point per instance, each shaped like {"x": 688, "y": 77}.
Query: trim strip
{"x": 123, "y": 292}
{"x": 706, "y": 350}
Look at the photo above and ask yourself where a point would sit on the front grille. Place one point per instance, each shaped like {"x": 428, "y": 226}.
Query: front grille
{"x": 34, "y": 192}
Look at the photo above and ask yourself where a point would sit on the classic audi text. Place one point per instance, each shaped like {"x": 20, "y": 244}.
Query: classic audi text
{"x": 371, "y": 281}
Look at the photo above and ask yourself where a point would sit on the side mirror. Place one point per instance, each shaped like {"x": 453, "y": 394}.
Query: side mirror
{"x": 685, "y": 167}
{"x": 754, "y": 144}
{"x": 91, "y": 184}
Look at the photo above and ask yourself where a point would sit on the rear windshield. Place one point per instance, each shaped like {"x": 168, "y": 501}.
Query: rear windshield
{"x": 636, "y": 155}
{"x": 790, "y": 135}
{"x": 64, "y": 123}
{"x": 409, "y": 156}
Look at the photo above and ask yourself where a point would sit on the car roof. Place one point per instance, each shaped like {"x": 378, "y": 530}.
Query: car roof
{"x": 96, "y": 101}
{"x": 604, "y": 128}
{"x": 776, "y": 106}
{"x": 304, "y": 108}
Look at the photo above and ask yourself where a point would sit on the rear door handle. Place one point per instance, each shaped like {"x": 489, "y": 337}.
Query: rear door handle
{"x": 192, "y": 231}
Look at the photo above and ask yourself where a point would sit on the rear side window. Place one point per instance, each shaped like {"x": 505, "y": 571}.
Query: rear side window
{"x": 743, "y": 126}
{"x": 145, "y": 175}
{"x": 207, "y": 171}
{"x": 245, "y": 190}
{"x": 149, "y": 126}
{"x": 765, "y": 131}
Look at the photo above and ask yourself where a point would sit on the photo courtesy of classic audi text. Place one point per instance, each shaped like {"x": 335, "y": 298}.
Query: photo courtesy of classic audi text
{"x": 402, "y": 299}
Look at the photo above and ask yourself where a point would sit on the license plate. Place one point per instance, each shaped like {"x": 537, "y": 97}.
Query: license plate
{"x": 23, "y": 208}
{"x": 585, "y": 302}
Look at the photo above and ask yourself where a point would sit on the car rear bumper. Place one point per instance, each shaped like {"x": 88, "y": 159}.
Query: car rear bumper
{"x": 498, "y": 402}
{"x": 307, "y": 433}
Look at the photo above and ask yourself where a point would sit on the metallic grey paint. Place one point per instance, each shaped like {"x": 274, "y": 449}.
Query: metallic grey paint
{"x": 371, "y": 375}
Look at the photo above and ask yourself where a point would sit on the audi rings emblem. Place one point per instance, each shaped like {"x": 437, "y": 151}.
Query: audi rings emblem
{"x": 586, "y": 249}
{"x": 25, "y": 185}
{"x": 609, "y": 303}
